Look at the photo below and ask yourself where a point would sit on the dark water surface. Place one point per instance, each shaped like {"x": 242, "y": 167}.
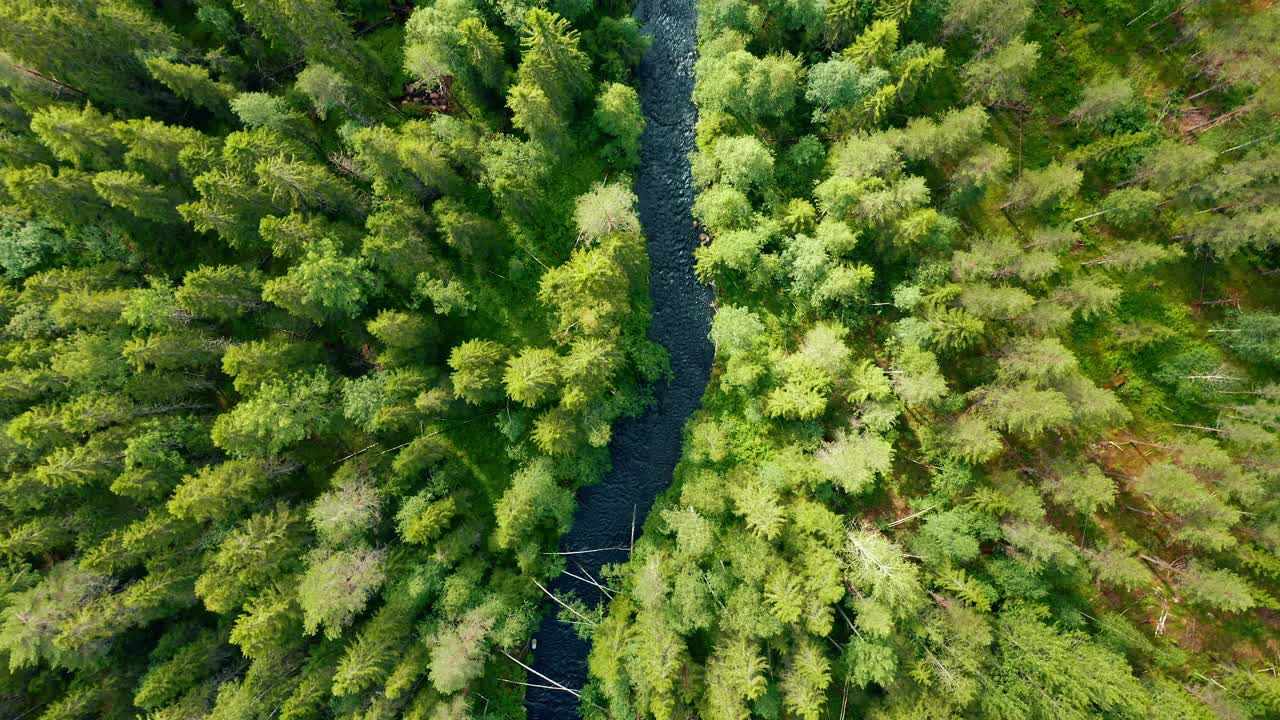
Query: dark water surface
{"x": 644, "y": 449}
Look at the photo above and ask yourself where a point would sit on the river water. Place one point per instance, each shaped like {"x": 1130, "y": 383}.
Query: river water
{"x": 644, "y": 449}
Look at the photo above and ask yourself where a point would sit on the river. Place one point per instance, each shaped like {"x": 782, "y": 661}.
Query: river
{"x": 644, "y": 449}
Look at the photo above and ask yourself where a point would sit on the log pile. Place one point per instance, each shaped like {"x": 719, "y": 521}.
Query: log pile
{"x": 419, "y": 99}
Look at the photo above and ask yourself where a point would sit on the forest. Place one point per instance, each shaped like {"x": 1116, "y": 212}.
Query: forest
{"x": 316, "y": 315}
{"x": 993, "y": 425}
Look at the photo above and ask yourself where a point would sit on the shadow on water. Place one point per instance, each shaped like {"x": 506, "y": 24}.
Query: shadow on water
{"x": 644, "y": 449}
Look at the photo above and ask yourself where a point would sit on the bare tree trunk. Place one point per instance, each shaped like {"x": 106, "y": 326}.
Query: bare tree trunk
{"x": 37, "y": 74}
{"x": 1184, "y": 6}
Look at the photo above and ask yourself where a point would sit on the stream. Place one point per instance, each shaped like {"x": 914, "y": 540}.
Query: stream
{"x": 644, "y": 449}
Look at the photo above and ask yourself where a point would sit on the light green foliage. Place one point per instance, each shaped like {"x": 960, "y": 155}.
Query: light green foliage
{"x": 1026, "y": 410}
{"x": 732, "y": 80}
{"x": 817, "y": 279}
{"x": 534, "y": 500}
{"x": 448, "y": 297}
{"x": 1056, "y": 672}
{"x": 606, "y": 209}
{"x": 1102, "y": 100}
{"x": 131, "y": 191}
{"x": 618, "y": 116}
{"x": 917, "y": 379}
{"x": 278, "y": 414}
{"x": 742, "y": 162}
{"x": 952, "y": 318}
{"x": 264, "y": 547}
{"x": 733, "y": 250}
{"x": 1172, "y": 165}
{"x": 555, "y": 431}
{"x": 82, "y": 137}
{"x": 806, "y": 677}
{"x": 482, "y": 51}
{"x": 999, "y": 258}
{"x": 191, "y": 83}
{"x": 854, "y": 461}
{"x": 887, "y": 582}
{"x": 32, "y": 618}
{"x": 433, "y": 40}
{"x": 327, "y": 89}
{"x": 590, "y": 291}
{"x": 323, "y": 285}
{"x": 552, "y": 60}
{"x": 515, "y": 172}
{"x": 948, "y": 138}
{"x": 65, "y": 199}
{"x": 802, "y": 391}
{"x": 217, "y": 491}
{"x": 402, "y": 334}
{"x": 735, "y": 330}
{"x": 1255, "y": 336}
{"x": 263, "y": 110}
{"x": 986, "y": 164}
{"x": 1130, "y": 256}
{"x": 1087, "y": 490}
{"x": 156, "y": 147}
{"x": 996, "y": 302}
{"x": 255, "y": 363}
{"x": 860, "y": 156}
{"x": 1044, "y": 187}
{"x": 346, "y": 512}
{"x": 294, "y": 235}
{"x": 999, "y": 79}
{"x": 1131, "y": 206}
{"x": 532, "y": 375}
{"x": 1042, "y": 547}
{"x": 304, "y": 185}
{"x": 991, "y": 22}
{"x": 722, "y": 207}
{"x": 532, "y": 112}
{"x": 694, "y": 534}
{"x": 760, "y": 508}
{"x": 457, "y": 651}
{"x": 588, "y": 371}
{"x": 841, "y": 83}
{"x": 1117, "y": 568}
{"x": 336, "y": 586}
{"x": 477, "y": 369}
{"x": 421, "y": 519}
{"x": 735, "y": 677}
{"x": 338, "y": 243}
{"x": 178, "y": 350}
{"x": 875, "y": 44}
{"x": 1205, "y": 518}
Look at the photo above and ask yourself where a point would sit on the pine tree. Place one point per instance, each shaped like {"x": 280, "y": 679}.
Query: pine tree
{"x": 552, "y": 61}
{"x": 336, "y": 587}
{"x": 91, "y": 48}
{"x": 618, "y": 115}
{"x": 191, "y": 83}
{"x": 477, "y": 368}
{"x": 314, "y": 27}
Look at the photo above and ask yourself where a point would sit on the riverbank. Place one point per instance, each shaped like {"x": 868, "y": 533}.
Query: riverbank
{"x": 645, "y": 449}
